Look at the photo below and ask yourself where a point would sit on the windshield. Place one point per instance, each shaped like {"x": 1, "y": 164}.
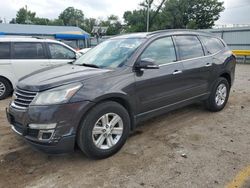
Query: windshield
{"x": 110, "y": 53}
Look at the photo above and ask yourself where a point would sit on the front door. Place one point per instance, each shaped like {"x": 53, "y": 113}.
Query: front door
{"x": 60, "y": 54}
{"x": 157, "y": 88}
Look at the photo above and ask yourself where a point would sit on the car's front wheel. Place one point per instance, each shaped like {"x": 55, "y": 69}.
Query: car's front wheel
{"x": 219, "y": 95}
{"x": 104, "y": 130}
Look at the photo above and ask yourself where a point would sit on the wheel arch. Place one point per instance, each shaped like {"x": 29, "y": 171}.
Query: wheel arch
{"x": 227, "y": 76}
{"x": 123, "y": 100}
{"x": 8, "y": 80}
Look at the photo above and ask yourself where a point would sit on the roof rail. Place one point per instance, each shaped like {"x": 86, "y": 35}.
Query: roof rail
{"x": 171, "y": 30}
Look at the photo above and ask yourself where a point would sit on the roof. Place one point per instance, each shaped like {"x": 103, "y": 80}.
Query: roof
{"x": 24, "y": 39}
{"x": 160, "y": 32}
{"x": 26, "y": 29}
{"x": 32, "y": 39}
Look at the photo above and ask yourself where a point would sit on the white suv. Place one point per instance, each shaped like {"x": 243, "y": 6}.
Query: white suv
{"x": 22, "y": 56}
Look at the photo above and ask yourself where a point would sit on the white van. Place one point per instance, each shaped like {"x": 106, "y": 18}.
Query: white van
{"x": 21, "y": 56}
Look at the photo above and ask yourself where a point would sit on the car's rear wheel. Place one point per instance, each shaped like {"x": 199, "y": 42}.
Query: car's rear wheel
{"x": 219, "y": 95}
{"x": 104, "y": 130}
{"x": 5, "y": 88}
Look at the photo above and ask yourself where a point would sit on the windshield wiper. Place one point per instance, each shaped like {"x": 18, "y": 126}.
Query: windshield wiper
{"x": 90, "y": 65}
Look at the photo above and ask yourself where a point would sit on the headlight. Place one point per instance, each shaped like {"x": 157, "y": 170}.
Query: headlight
{"x": 57, "y": 95}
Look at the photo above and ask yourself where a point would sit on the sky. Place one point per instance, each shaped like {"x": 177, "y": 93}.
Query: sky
{"x": 236, "y": 12}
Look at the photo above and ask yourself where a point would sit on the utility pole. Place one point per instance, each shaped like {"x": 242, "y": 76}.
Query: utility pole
{"x": 148, "y": 15}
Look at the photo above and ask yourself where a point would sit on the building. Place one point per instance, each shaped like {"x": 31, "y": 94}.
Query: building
{"x": 237, "y": 38}
{"x": 73, "y": 36}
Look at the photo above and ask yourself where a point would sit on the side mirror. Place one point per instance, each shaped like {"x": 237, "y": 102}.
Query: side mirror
{"x": 78, "y": 55}
{"x": 147, "y": 63}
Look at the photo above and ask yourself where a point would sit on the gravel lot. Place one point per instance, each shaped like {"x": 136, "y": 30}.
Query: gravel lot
{"x": 189, "y": 147}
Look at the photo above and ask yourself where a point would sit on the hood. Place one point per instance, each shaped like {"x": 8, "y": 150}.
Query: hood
{"x": 61, "y": 75}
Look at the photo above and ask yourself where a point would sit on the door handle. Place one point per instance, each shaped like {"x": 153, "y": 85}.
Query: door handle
{"x": 177, "y": 72}
{"x": 208, "y": 65}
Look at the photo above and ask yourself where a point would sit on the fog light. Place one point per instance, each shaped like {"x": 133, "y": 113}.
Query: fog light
{"x": 45, "y": 135}
{"x": 42, "y": 126}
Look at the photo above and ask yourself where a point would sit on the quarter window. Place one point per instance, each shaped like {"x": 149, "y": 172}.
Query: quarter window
{"x": 188, "y": 47}
{"x": 161, "y": 51}
{"x": 58, "y": 51}
{"x": 212, "y": 44}
{"x": 4, "y": 50}
{"x": 29, "y": 50}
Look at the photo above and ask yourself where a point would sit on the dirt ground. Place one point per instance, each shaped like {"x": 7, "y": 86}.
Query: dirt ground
{"x": 187, "y": 148}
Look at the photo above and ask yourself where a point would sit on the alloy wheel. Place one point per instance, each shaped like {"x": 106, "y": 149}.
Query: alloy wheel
{"x": 2, "y": 89}
{"x": 107, "y": 131}
{"x": 221, "y": 94}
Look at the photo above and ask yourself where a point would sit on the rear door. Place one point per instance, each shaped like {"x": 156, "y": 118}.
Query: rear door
{"x": 60, "y": 54}
{"x": 156, "y": 88}
{"x": 28, "y": 57}
{"x": 197, "y": 66}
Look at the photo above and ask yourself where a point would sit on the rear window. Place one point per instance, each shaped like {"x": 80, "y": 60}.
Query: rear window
{"x": 4, "y": 50}
{"x": 28, "y": 50}
{"x": 188, "y": 47}
{"x": 212, "y": 44}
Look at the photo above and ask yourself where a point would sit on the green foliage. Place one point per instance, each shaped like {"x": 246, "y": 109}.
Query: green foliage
{"x": 204, "y": 12}
{"x": 113, "y": 24}
{"x": 89, "y": 23}
{"x": 24, "y": 16}
{"x": 173, "y": 14}
{"x": 40, "y": 21}
{"x": 72, "y": 16}
{"x": 58, "y": 22}
{"x": 135, "y": 20}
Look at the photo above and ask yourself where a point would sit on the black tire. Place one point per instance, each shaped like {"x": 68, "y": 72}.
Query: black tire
{"x": 210, "y": 103}
{"x": 84, "y": 135}
{"x": 7, "y": 88}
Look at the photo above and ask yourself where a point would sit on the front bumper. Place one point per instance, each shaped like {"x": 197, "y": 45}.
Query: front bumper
{"x": 66, "y": 116}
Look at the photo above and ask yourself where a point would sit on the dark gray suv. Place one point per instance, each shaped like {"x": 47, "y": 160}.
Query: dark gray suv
{"x": 97, "y": 101}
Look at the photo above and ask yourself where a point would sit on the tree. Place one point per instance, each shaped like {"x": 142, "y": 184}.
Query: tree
{"x": 13, "y": 21}
{"x": 57, "y": 22}
{"x": 203, "y": 13}
{"x": 72, "y": 16}
{"x": 113, "y": 24}
{"x": 40, "y": 21}
{"x": 24, "y": 16}
{"x": 135, "y": 20}
{"x": 89, "y": 23}
{"x": 192, "y": 14}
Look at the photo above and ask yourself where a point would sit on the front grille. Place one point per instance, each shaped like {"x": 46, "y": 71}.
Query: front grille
{"x": 23, "y": 98}
{"x": 33, "y": 132}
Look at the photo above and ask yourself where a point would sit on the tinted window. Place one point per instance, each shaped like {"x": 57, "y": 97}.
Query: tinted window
{"x": 4, "y": 50}
{"x": 161, "y": 51}
{"x": 212, "y": 45}
{"x": 188, "y": 47}
{"x": 28, "y": 50}
{"x": 58, "y": 51}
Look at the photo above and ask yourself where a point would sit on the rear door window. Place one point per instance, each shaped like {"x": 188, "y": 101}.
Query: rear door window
{"x": 4, "y": 50}
{"x": 28, "y": 50}
{"x": 188, "y": 47}
{"x": 212, "y": 44}
{"x": 58, "y": 51}
{"x": 162, "y": 51}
